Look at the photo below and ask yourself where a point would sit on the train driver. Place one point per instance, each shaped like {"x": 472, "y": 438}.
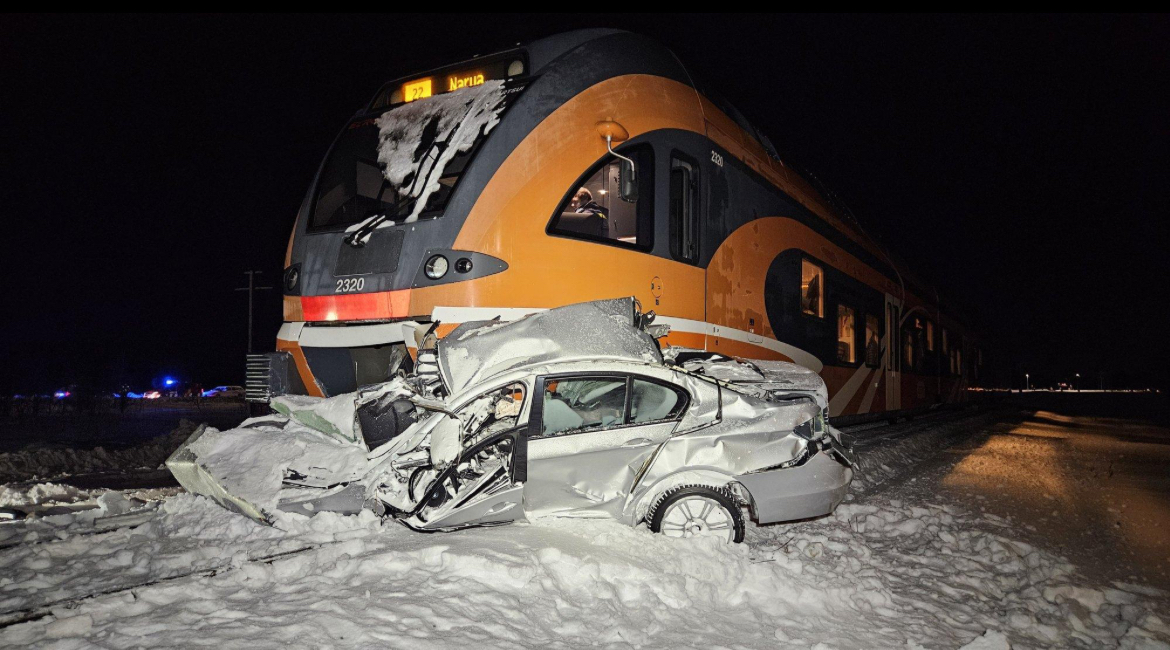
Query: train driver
{"x": 596, "y": 215}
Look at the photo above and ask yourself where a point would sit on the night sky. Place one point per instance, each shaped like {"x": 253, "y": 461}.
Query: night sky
{"x": 1019, "y": 163}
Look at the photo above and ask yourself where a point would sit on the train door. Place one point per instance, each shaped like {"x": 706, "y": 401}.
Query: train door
{"x": 891, "y": 357}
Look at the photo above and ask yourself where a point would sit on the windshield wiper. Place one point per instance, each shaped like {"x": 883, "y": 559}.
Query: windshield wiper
{"x": 357, "y": 238}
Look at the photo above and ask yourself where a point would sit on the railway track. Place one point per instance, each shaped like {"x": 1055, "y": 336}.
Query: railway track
{"x": 871, "y": 434}
{"x": 44, "y": 609}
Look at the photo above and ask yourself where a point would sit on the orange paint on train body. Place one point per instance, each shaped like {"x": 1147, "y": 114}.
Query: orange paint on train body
{"x": 510, "y": 218}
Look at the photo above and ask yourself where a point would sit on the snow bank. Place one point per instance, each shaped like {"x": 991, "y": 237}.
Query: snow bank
{"x": 884, "y": 574}
{"x": 15, "y": 496}
{"x": 186, "y": 534}
{"x": 32, "y": 464}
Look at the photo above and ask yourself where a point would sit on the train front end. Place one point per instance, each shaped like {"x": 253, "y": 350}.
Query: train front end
{"x": 379, "y": 224}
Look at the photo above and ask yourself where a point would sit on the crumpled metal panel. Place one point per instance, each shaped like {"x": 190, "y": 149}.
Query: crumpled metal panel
{"x": 766, "y": 376}
{"x": 247, "y": 469}
{"x": 590, "y": 474}
{"x": 603, "y": 329}
{"x": 810, "y": 490}
{"x": 751, "y": 435}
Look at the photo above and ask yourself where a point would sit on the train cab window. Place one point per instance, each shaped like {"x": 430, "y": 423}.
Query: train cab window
{"x": 684, "y": 210}
{"x": 846, "y": 335}
{"x": 873, "y": 343}
{"x": 930, "y": 336}
{"x": 812, "y": 289}
{"x": 609, "y": 205}
{"x": 351, "y": 186}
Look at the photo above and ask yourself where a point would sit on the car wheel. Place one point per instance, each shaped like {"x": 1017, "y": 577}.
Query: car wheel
{"x": 697, "y": 510}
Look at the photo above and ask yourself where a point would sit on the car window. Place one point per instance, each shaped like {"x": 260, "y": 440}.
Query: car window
{"x": 650, "y": 402}
{"x": 582, "y": 404}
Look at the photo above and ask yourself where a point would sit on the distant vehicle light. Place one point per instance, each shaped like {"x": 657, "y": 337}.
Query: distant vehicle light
{"x": 151, "y": 394}
{"x": 169, "y": 382}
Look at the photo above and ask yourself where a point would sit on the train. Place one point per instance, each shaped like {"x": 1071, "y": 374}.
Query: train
{"x": 583, "y": 166}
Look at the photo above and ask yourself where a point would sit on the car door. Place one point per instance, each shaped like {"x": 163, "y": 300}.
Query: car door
{"x": 589, "y": 437}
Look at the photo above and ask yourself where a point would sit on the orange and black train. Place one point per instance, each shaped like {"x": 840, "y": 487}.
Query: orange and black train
{"x": 686, "y": 207}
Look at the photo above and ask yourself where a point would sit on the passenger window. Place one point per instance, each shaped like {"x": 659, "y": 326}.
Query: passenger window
{"x": 684, "y": 202}
{"x": 608, "y": 207}
{"x": 651, "y": 402}
{"x": 846, "y": 333}
{"x": 930, "y": 336}
{"x": 812, "y": 289}
{"x": 582, "y": 404}
{"x": 873, "y": 343}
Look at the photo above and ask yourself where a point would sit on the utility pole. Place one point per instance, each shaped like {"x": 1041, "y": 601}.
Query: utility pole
{"x": 251, "y": 289}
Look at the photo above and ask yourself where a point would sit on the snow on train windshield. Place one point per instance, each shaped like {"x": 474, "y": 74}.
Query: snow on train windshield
{"x": 404, "y": 164}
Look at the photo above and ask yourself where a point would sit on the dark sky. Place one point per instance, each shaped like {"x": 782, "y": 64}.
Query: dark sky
{"x": 1020, "y": 163}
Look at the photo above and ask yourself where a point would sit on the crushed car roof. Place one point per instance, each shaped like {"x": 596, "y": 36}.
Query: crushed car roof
{"x": 608, "y": 330}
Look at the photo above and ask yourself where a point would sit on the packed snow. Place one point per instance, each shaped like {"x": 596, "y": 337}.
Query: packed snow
{"x": 891, "y": 568}
{"x": 880, "y": 574}
{"x": 17, "y": 496}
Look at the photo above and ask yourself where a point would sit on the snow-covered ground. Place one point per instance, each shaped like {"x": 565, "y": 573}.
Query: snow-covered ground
{"x": 37, "y": 462}
{"x": 900, "y": 565}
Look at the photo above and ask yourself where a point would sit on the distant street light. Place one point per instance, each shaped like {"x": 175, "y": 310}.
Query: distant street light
{"x": 1027, "y": 381}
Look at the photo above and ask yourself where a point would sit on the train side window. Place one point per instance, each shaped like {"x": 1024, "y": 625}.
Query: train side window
{"x": 846, "y": 334}
{"x": 908, "y": 349}
{"x": 812, "y": 289}
{"x": 599, "y": 208}
{"x": 684, "y": 210}
{"x": 930, "y": 336}
{"x": 873, "y": 343}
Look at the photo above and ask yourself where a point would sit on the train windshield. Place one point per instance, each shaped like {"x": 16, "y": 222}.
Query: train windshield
{"x": 403, "y": 164}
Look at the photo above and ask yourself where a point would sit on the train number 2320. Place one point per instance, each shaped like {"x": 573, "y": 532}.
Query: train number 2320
{"x": 348, "y": 285}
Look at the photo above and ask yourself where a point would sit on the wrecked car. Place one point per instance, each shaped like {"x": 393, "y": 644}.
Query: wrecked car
{"x": 574, "y": 411}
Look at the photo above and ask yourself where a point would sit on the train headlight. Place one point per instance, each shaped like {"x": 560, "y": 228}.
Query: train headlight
{"x": 463, "y": 265}
{"x": 436, "y": 267}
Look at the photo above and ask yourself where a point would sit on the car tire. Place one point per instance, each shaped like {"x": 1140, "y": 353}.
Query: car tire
{"x": 677, "y": 506}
